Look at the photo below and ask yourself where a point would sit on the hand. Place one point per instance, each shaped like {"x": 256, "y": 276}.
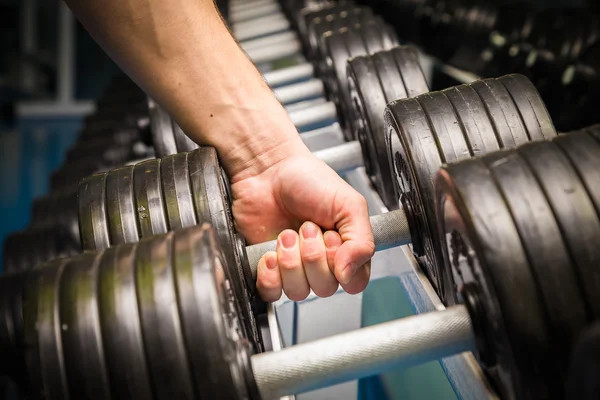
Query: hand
{"x": 291, "y": 201}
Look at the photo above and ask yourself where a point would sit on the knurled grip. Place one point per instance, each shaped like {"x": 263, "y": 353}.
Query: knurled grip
{"x": 389, "y": 230}
{"x": 364, "y": 352}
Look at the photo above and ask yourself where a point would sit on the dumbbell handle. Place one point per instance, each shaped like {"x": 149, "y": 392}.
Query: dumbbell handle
{"x": 364, "y": 352}
{"x": 389, "y": 230}
{"x": 342, "y": 158}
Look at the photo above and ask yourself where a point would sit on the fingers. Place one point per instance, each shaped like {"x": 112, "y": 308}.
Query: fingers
{"x": 268, "y": 279}
{"x": 294, "y": 282}
{"x": 313, "y": 254}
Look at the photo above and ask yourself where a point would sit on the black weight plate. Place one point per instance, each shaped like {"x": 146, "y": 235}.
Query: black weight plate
{"x": 485, "y": 251}
{"x": 121, "y": 326}
{"x": 198, "y": 190}
{"x": 530, "y": 106}
{"x": 416, "y": 158}
{"x": 546, "y": 251}
{"x": 473, "y": 119}
{"x": 211, "y": 318}
{"x": 43, "y": 342}
{"x": 182, "y": 141}
{"x": 413, "y": 78}
{"x": 217, "y": 197}
{"x": 502, "y": 111}
{"x": 374, "y": 35}
{"x": 161, "y": 324}
{"x": 12, "y": 362}
{"x": 161, "y": 127}
{"x": 93, "y": 224}
{"x": 584, "y": 153}
{"x": 445, "y": 127}
{"x": 150, "y": 206}
{"x": 81, "y": 336}
{"x": 120, "y": 206}
{"x": 308, "y": 15}
{"x": 574, "y": 211}
{"x": 177, "y": 191}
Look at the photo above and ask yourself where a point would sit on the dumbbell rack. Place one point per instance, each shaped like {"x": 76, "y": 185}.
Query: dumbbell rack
{"x": 297, "y": 321}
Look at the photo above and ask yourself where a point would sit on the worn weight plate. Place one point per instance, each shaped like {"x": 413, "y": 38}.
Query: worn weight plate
{"x": 218, "y": 200}
{"x": 182, "y": 141}
{"x": 547, "y": 253}
{"x": 150, "y": 206}
{"x": 574, "y": 211}
{"x": 445, "y": 127}
{"x": 197, "y": 183}
{"x": 584, "y": 153}
{"x": 43, "y": 342}
{"x": 120, "y": 206}
{"x": 415, "y": 157}
{"x": 81, "y": 338}
{"x": 473, "y": 119}
{"x": 177, "y": 191}
{"x": 502, "y": 111}
{"x": 12, "y": 362}
{"x": 161, "y": 323}
{"x": 121, "y": 326}
{"x": 93, "y": 224}
{"x": 209, "y": 311}
{"x": 308, "y": 15}
{"x": 483, "y": 251}
{"x": 163, "y": 137}
{"x": 530, "y": 106}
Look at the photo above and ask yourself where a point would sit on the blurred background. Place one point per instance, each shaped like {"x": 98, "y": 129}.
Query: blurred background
{"x": 51, "y": 71}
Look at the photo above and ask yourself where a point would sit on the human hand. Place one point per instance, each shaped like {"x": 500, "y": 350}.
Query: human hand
{"x": 292, "y": 200}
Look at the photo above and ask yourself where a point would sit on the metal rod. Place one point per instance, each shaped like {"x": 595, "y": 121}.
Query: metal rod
{"x": 365, "y": 352}
{"x": 314, "y": 115}
{"x": 261, "y": 10}
{"x": 288, "y": 75}
{"x": 389, "y": 230}
{"x": 278, "y": 38}
{"x": 66, "y": 45}
{"x": 323, "y": 138}
{"x": 261, "y": 55}
{"x": 260, "y": 27}
{"x": 342, "y": 158}
{"x": 296, "y": 92}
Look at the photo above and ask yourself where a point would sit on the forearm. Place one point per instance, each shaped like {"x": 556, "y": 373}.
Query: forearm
{"x": 181, "y": 54}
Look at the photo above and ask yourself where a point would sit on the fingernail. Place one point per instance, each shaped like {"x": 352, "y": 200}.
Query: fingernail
{"x": 288, "y": 240}
{"x": 348, "y": 273}
{"x": 271, "y": 263}
{"x": 309, "y": 230}
{"x": 331, "y": 240}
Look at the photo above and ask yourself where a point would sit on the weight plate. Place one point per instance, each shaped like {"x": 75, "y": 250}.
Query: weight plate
{"x": 43, "y": 332}
{"x": 182, "y": 141}
{"x": 413, "y": 78}
{"x": 12, "y": 362}
{"x": 81, "y": 337}
{"x": 93, "y": 225}
{"x": 308, "y": 15}
{"x": 209, "y": 311}
{"x": 149, "y": 199}
{"x": 416, "y": 158}
{"x": 502, "y": 111}
{"x": 176, "y": 190}
{"x": 445, "y": 127}
{"x": 121, "y": 326}
{"x": 120, "y": 206}
{"x": 542, "y": 241}
{"x": 197, "y": 183}
{"x": 533, "y": 112}
{"x": 163, "y": 137}
{"x": 574, "y": 211}
{"x": 584, "y": 153}
{"x": 161, "y": 324}
{"x": 473, "y": 119}
{"x": 218, "y": 201}
{"x": 483, "y": 251}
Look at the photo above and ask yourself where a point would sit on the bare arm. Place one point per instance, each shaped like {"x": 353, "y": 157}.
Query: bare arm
{"x": 182, "y": 54}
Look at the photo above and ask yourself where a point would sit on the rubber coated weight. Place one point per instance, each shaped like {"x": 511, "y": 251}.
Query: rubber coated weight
{"x": 120, "y": 322}
{"x": 81, "y": 339}
{"x": 485, "y": 255}
{"x": 374, "y": 81}
{"x": 542, "y": 241}
{"x": 161, "y": 324}
{"x": 475, "y": 123}
{"x": 149, "y": 200}
{"x": 500, "y": 107}
{"x": 583, "y": 152}
{"x": 11, "y": 327}
{"x": 574, "y": 212}
{"x": 93, "y": 224}
{"x": 120, "y": 206}
{"x": 530, "y": 105}
{"x": 43, "y": 332}
{"x": 176, "y": 189}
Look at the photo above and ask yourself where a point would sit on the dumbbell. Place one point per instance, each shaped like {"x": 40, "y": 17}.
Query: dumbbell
{"x": 511, "y": 221}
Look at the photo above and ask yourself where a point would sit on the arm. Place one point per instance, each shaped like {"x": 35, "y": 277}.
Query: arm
{"x": 181, "y": 53}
